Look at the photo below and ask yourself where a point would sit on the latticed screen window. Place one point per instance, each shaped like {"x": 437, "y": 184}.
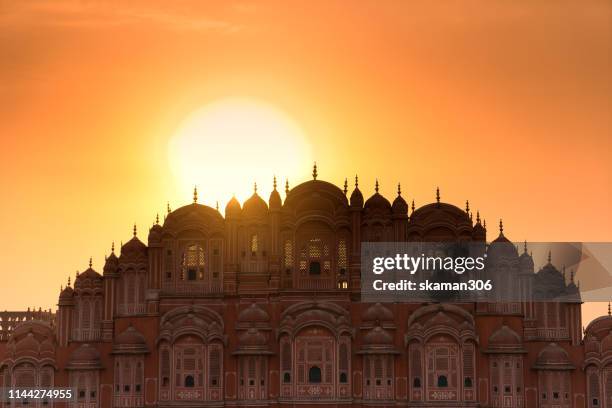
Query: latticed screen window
{"x": 342, "y": 257}
{"x": 288, "y": 254}
{"x": 168, "y": 264}
{"x": 194, "y": 262}
{"x": 215, "y": 366}
{"x": 468, "y": 366}
{"x": 415, "y": 366}
{"x": 165, "y": 368}
{"x": 215, "y": 262}
{"x": 286, "y": 362}
{"x": 254, "y": 244}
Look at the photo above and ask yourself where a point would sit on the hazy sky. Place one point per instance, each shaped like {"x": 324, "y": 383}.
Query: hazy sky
{"x": 505, "y": 103}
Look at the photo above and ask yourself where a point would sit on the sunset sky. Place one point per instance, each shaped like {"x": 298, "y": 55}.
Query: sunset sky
{"x": 505, "y": 103}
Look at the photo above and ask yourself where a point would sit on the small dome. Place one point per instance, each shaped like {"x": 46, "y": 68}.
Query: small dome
{"x": 111, "y": 264}
{"x": 504, "y": 336}
{"x": 86, "y": 357}
{"x": 553, "y": 357}
{"x": 356, "y": 198}
{"x": 88, "y": 279}
{"x": 399, "y": 207}
{"x": 252, "y": 338}
{"x": 378, "y": 336}
{"x": 155, "y": 233}
{"x": 255, "y": 206}
{"x": 501, "y": 247}
{"x": 526, "y": 262}
{"x": 377, "y": 313}
{"x": 275, "y": 200}
{"x": 377, "y": 203}
{"x": 130, "y": 341}
{"x": 232, "y": 209}
{"x": 133, "y": 249}
{"x": 67, "y": 293}
{"x": 479, "y": 233}
{"x": 253, "y": 313}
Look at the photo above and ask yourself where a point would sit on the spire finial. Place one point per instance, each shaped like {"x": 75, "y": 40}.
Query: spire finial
{"x": 501, "y": 227}
{"x": 195, "y": 194}
{"x": 609, "y": 309}
{"x": 157, "y": 219}
{"x": 572, "y": 276}
{"x": 484, "y": 224}
{"x": 345, "y": 186}
{"x": 314, "y": 171}
{"x": 90, "y": 261}
{"x": 274, "y": 182}
{"x": 477, "y": 217}
{"x": 68, "y": 280}
{"x": 412, "y": 206}
{"x": 525, "y": 247}
{"x": 399, "y": 189}
{"x": 135, "y": 230}
{"x": 255, "y": 187}
{"x": 113, "y": 247}
{"x": 168, "y": 207}
{"x": 471, "y": 216}
{"x": 217, "y": 205}
{"x": 467, "y": 206}
{"x": 549, "y": 256}
{"x": 287, "y": 186}
{"x": 437, "y": 194}
{"x": 376, "y": 186}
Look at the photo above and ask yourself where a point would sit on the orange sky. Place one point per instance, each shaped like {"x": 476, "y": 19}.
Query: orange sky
{"x": 504, "y": 103}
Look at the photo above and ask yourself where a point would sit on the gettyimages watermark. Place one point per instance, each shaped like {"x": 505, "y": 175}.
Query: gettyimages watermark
{"x": 501, "y": 271}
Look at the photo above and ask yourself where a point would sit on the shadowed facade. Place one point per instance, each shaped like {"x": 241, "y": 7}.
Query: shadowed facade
{"x": 262, "y": 307}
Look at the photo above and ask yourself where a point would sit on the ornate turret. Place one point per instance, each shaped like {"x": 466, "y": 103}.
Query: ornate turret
{"x": 275, "y": 201}
{"x": 356, "y": 196}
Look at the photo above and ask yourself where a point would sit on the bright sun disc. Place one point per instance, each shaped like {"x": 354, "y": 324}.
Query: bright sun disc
{"x": 226, "y": 146}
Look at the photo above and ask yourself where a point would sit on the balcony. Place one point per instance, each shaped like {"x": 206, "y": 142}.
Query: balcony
{"x": 544, "y": 333}
{"x": 316, "y": 284}
{"x": 128, "y": 309}
{"x": 85, "y": 334}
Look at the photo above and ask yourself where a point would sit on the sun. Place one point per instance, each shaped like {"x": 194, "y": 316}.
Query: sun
{"x": 228, "y": 145}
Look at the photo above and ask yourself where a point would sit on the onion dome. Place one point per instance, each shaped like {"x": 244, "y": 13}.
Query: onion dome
{"x": 232, "y": 209}
{"x": 377, "y": 313}
{"x": 378, "y": 336}
{"x": 505, "y": 340}
{"x": 66, "y": 294}
{"x": 553, "y": 357}
{"x": 399, "y": 207}
{"x": 501, "y": 247}
{"x": 275, "y": 198}
{"x": 131, "y": 341}
{"x": 88, "y": 279}
{"x": 377, "y": 203}
{"x": 255, "y": 206}
{"x": 356, "y": 196}
{"x": 253, "y": 313}
{"x": 549, "y": 283}
{"x": 134, "y": 248}
{"x": 86, "y": 357}
{"x": 27, "y": 346}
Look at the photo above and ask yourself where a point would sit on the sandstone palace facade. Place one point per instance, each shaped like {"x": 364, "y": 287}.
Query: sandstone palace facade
{"x": 261, "y": 307}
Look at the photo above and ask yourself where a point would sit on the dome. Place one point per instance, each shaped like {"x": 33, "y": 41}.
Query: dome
{"x": 377, "y": 313}
{"x": 88, "y": 279}
{"x": 526, "y": 261}
{"x": 130, "y": 341}
{"x": 66, "y": 293}
{"x": 479, "y": 233}
{"x": 232, "y": 209}
{"x": 27, "y": 346}
{"x": 252, "y": 338}
{"x": 501, "y": 247}
{"x": 553, "y": 357}
{"x": 356, "y": 196}
{"x": 399, "y": 207}
{"x": 255, "y": 206}
{"x": 505, "y": 340}
{"x": 315, "y": 196}
{"x": 378, "y": 336}
{"x": 377, "y": 203}
{"x": 86, "y": 357}
{"x": 111, "y": 264}
{"x": 134, "y": 248}
{"x": 440, "y": 222}
{"x": 253, "y": 313}
{"x": 275, "y": 198}
{"x": 155, "y": 233}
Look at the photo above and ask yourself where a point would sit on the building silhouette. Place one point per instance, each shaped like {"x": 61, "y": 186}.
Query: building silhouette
{"x": 262, "y": 308}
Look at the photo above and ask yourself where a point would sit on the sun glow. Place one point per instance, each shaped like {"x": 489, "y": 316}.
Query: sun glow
{"x": 228, "y": 145}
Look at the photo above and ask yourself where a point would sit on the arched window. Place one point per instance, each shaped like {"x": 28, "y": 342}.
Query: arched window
{"x": 416, "y": 383}
{"x": 343, "y": 378}
{"x": 189, "y": 381}
{"x": 442, "y": 381}
{"x": 286, "y": 378}
{"x": 314, "y": 375}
